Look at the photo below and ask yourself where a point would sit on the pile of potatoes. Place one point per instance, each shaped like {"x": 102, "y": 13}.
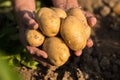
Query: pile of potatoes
{"x": 59, "y": 32}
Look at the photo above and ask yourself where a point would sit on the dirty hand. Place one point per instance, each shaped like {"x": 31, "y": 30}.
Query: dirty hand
{"x": 91, "y": 21}
{"x": 67, "y": 4}
{"x": 26, "y": 19}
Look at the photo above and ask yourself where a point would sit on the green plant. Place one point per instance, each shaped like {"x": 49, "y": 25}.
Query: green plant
{"x": 10, "y": 47}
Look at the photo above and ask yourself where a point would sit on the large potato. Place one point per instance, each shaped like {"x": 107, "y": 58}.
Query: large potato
{"x": 34, "y": 38}
{"x": 58, "y": 52}
{"x": 78, "y": 13}
{"x": 60, "y": 12}
{"x": 73, "y": 33}
{"x": 49, "y": 21}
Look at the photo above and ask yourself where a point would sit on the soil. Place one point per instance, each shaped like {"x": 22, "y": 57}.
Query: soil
{"x": 102, "y": 61}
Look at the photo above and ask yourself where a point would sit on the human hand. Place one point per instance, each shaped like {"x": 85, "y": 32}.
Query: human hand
{"x": 91, "y": 22}
{"x": 26, "y": 19}
{"x": 66, "y": 5}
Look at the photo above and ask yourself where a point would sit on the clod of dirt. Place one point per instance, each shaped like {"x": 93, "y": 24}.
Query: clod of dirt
{"x": 105, "y": 11}
{"x": 105, "y": 63}
{"x": 111, "y": 3}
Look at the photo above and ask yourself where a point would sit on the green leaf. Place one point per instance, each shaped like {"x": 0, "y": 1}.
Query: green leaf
{"x": 14, "y": 62}
{"x": 31, "y": 64}
{"x": 7, "y": 72}
{"x": 5, "y": 4}
{"x": 18, "y": 57}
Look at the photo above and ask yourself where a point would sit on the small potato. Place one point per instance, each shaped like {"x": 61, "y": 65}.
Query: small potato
{"x": 73, "y": 33}
{"x": 77, "y": 12}
{"x": 49, "y": 21}
{"x": 60, "y": 12}
{"x": 57, "y": 50}
{"x": 34, "y": 38}
{"x": 116, "y": 8}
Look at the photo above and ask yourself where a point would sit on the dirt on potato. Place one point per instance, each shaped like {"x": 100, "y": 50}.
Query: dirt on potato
{"x": 102, "y": 61}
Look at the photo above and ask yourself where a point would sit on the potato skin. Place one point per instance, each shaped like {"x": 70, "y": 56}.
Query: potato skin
{"x": 34, "y": 38}
{"x": 72, "y": 32}
{"x": 49, "y": 21}
{"x": 57, "y": 50}
{"x": 60, "y": 12}
{"x": 77, "y": 12}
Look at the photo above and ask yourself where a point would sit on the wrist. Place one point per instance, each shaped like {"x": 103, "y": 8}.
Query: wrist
{"x": 65, "y": 4}
{"x": 72, "y": 4}
{"x": 20, "y": 5}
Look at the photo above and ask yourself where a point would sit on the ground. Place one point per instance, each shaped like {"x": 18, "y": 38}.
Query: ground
{"x": 102, "y": 61}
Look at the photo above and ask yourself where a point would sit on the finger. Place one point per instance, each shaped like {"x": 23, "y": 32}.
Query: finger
{"x": 32, "y": 50}
{"x": 42, "y": 61}
{"x": 78, "y": 53}
{"x": 29, "y": 20}
{"x": 89, "y": 43}
{"x": 44, "y": 64}
{"x": 37, "y": 52}
{"x": 90, "y": 18}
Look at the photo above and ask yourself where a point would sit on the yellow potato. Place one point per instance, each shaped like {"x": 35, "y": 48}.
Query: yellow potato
{"x": 57, "y": 50}
{"x": 73, "y": 33}
{"x": 49, "y": 21}
{"x": 116, "y": 8}
{"x": 34, "y": 38}
{"x": 60, "y": 12}
{"x": 77, "y": 12}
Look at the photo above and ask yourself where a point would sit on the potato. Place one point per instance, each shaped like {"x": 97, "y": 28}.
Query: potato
{"x": 73, "y": 33}
{"x": 116, "y": 8}
{"x": 60, "y": 12}
{"x": 57, "y": 50}
{"x": 34, "y": 38}
{"x": 49, "y": 21}
{"x": 77, "y": 12}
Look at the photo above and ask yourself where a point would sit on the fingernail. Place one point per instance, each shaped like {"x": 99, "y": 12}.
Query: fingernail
{"x": 32, "y": 24}
{"x": 78, "y": 53}
{"x": 45, "y": 56}
{"x": 89, "y": 43}
{"x": 35, "y": 26}
{"x": 92, "y": 21}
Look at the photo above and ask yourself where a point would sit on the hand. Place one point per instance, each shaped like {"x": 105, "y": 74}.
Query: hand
{"x": 27, "y": 20}
{"x": 67, "y": 4}
{"x": 91, "y": 21}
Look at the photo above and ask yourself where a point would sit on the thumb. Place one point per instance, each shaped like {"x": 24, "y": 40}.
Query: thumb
{"x": 91, "y": 19}
{"x": 37, "y": 52}
{"x": 31, "y": 23}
